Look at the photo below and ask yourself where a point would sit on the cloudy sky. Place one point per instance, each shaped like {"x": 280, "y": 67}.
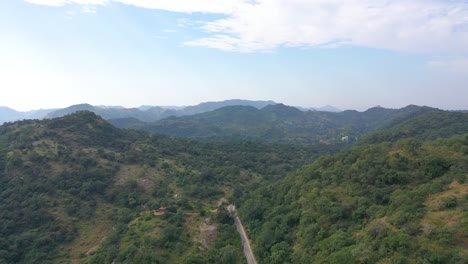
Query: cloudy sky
{"x": 353, "y": 54}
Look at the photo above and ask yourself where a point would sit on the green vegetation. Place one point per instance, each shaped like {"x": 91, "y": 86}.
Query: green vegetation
{"x": 428, "y": 125}
{"x": 288, "y": 125}
{"x": 78, "y": 190}
{"x": 401, "y": 202}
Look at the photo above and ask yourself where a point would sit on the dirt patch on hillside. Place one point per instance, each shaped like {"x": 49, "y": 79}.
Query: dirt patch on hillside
{"x": 207, "y": 235}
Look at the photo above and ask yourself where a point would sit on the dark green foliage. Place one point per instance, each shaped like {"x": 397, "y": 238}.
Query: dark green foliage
{"x": 55, "y": 173}
{"x": 29, "y": 229}
{"x": 363, "y": 205}
{"x": 284, "y": 124}
{"x": 87, "y": 130}
{"x": 425, "y": 125}
{"x": 449, "y": 202}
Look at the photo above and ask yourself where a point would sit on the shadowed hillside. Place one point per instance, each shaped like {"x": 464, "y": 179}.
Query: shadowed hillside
{"x": 400, "y": 202}
{"x": 284, "y": 124}
{"x": 78, "y": 189}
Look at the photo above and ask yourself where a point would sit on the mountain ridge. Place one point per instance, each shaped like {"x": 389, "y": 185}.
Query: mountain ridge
{"x": 145, "y": 113}
{"x": 280, "y": 123}
{"x": 77, "y": 189}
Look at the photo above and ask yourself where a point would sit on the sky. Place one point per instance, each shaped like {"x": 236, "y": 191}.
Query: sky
{"x": 352, "y": 54}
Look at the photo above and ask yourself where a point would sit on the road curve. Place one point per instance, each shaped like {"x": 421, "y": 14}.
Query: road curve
{"x": 245, "y": 240}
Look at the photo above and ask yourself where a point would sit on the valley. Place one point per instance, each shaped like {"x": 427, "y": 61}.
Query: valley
{"x": 234, "y": 132}
{"x": 76, "y": 189}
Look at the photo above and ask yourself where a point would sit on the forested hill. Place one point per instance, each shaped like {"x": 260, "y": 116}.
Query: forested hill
{"x": 76, "y": 189}
{"x": 429, "y": 125}
{"x": 389, "y": 202}
{"x": 283, "y": 124}
{"x": 151, "y": 113}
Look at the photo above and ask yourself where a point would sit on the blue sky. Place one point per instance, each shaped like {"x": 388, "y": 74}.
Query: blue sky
{"x": 353, "y": 54}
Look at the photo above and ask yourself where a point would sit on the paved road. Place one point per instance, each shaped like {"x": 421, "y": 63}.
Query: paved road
{"x": 245, "y": 240}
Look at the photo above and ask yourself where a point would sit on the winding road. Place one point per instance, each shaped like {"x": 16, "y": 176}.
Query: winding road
{"x": 245, "y": 240}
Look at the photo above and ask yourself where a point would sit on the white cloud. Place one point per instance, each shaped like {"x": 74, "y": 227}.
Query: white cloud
{"x": 64, "y": 2}
{"x": 69, "y": 14}
{"x": 456, "y": 65}
{"x": 189, "y": 6}
{"x": 404, "y": 25}
{"x": 47, "y": 2}
{"x": 423, "y": 26}
{"x": 183, "y": 6}
{"x": 88, "y": 9}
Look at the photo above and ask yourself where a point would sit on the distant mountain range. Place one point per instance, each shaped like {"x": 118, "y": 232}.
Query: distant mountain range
{"x": 76, "y": 189}
{"x": 154, "y": 113}
{"x": 8, "y": 115}
{"x": 145, "y": 113}
{"x": 263, "y": 121}
{"x": 327, "y": 108}
{"x": 284, "y": 124}
{"x": 266, "y": 121}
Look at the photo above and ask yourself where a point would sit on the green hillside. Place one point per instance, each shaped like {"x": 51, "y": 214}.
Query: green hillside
{"x": 428, "y": 125}
{"x": 401, "y": 202}
{"x": 76, "y": 189}
{"x": 142, "y": 114}
{"x": 288, "y": 125}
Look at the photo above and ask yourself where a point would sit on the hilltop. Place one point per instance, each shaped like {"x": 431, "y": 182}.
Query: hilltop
{"x": 77, "y": 189}
{"x": 285, "y": 124}
{"x": 144, "y": 113}
{"x": 399, "y": 202}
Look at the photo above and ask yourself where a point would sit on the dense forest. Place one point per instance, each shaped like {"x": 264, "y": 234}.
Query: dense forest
{"x": 288, "y": 125}
{"x": 71, "y": 184}
{"x": 401, "y": 202}
{"x": 76, "y": 189}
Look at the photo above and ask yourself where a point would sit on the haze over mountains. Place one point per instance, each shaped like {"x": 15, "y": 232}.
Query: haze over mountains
{"x": 77, "y": 189}
{"x": 107, "y": 184}
{"x": 284, "y": 124}
{"x": 261, "y": 121}
{"x": 143, "y": 113}
{"x": 8, "y": 115}
{"x": 141, "y": 164}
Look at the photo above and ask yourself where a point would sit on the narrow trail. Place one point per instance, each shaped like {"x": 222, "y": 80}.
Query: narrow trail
{"x": 245, "y": 240}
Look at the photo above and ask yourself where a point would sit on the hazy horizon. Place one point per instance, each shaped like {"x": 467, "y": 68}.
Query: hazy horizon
{"x": 182, "y": 106}
{"x": 349, "y": 54}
